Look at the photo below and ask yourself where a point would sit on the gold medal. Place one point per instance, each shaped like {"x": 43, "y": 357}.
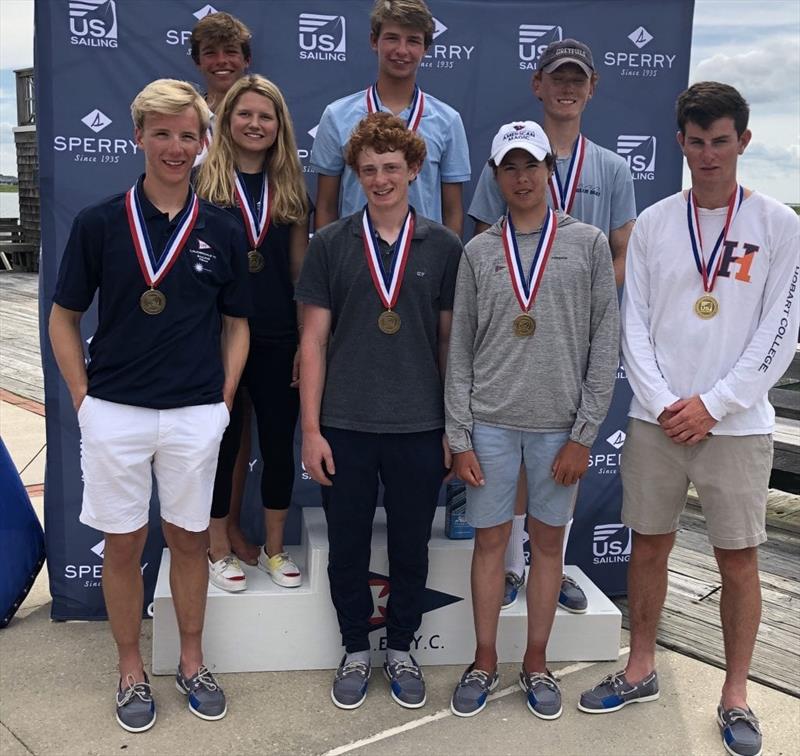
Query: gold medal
{"x": 255, "y": 261}
{"x": 706, "y": 307}
{"x": 389, "y": 322}
{"x": 152, "y": 302}
{"x": 524, "y": 325}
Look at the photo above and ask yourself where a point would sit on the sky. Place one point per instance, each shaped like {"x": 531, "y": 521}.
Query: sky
{"x": 755, "y": 46}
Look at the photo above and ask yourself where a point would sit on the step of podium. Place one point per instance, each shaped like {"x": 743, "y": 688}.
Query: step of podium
{"x": 268, "y": 628}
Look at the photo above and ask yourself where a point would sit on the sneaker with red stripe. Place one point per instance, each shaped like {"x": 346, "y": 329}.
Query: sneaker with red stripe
{"x": 281, "y": 568}
{"x": 227, "y": 574}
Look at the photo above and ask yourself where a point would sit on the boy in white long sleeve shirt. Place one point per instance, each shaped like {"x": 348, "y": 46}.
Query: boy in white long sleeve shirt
{"x": 710, "y": 320}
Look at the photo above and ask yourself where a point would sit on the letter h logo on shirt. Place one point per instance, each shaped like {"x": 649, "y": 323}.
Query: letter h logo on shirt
{"x": 743, "y": 262}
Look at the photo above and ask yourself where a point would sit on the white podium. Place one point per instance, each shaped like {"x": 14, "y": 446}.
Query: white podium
{"x": 268, "y": 628}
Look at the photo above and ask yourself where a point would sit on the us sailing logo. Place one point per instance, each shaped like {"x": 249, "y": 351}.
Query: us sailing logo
{"x": 93, "y": 23}
{"x": 381, "y": 589}
{"x": 639, "y": 151}
{"x": 611, "y": 543}
{"x": 533, "y": 39}
{"x": 322, "y": 37}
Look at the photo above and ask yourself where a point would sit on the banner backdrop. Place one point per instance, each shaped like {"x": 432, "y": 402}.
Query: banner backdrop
{"x": 93, "y": 56}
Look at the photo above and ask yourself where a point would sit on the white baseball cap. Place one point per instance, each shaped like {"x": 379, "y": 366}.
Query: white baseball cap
{"x": 520, "y": 135}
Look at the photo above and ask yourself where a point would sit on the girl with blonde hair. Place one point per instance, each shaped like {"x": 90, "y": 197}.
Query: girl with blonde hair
{"x": 253, "y": 171}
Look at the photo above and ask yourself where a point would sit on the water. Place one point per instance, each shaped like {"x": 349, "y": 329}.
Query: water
{"x": 9, "y": 205}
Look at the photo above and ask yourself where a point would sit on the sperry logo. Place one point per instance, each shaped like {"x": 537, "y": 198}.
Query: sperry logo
{"x": 617, "y": 440}
{"x": 640, "y": 37}
{"x": 97, "y": 120}
{"x": 204, "y": 11}
{"x": 99, "y": 548}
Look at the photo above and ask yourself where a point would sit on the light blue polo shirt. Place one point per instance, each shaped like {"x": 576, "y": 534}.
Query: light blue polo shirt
{"x": 604, "y": 199}
{"x": 447, "y": 161}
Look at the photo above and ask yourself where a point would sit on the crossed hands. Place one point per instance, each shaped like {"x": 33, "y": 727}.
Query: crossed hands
{"x": 687, "y": 421}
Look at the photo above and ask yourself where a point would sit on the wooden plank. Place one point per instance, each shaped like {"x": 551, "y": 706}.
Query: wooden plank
{"x": 690, "y": 622}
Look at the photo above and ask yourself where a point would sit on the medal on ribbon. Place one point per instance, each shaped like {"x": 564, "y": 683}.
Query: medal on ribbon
{"x": 526, "y": 286}
{"x": 563, "y": 192}
{"x": 153, "y": 268}
{"x": 707, "y": 306}
{"x": 387, "y": 282}
{"x": 255, "y": 223}
{"x": 417, "y": 106}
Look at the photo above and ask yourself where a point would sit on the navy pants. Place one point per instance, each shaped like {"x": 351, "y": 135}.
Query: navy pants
{"x": 411, "y": 468}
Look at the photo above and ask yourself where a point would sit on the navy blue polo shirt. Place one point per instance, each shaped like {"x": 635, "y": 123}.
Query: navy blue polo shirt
{"x": 159, "y": 361}
{"x": 274, "y": 317}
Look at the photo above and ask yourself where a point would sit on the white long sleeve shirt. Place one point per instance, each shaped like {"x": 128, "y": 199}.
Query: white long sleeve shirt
{"x": 734, "y": 358}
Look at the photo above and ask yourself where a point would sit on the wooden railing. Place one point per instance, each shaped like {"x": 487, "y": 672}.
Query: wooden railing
{"x": 26, "y": 100}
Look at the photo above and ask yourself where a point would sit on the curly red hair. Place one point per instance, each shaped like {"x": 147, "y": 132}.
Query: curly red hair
{"x": 384, "y": 132}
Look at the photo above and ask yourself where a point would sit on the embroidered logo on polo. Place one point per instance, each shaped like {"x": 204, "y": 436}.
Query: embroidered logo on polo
{"x": 155, "y": 267}
{"x": 416, "y": 109}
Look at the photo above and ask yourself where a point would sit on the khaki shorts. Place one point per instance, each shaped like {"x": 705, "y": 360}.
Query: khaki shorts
{"x": 730, "y": 473}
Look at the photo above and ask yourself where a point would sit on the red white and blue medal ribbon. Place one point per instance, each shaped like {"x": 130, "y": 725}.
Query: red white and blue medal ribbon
{"x": 417, "y": 106}
{"x": 526, "y": 286}
{"x": 563, "y": 193}
{"x": 255, "y": 223}
{"x": 709, "y": 268}
{"x": 155, "y": 267}
{"x": 387, "y": 282}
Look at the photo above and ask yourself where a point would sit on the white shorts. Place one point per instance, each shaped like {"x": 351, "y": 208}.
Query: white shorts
{"x": 123, "y": 446}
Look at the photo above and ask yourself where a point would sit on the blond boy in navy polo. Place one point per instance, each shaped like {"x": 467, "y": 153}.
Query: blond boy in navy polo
{"x": 170, "y": 345}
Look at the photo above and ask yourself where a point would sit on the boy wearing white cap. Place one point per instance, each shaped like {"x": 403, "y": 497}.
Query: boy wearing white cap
{"x": 590, "y": 183}
{"x": 531, "y": 368}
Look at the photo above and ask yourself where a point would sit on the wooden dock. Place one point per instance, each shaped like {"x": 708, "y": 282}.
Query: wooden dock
{"x": 690, "y": 622}
{"x": 20, "y": 358}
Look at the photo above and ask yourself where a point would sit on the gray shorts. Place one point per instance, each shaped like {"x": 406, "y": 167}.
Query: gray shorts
{"x": 730, "y": 473}
{"x": 500, "y": 452}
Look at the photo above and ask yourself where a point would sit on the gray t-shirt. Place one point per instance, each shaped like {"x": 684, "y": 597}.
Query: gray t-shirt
{"x": 604, "y": 198}
{"x": 379, "y": 383}
{"x": 562, "y": 377}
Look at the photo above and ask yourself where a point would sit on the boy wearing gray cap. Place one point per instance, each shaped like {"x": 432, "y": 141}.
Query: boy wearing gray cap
{"x": 531, "y": 367}
{"x": 590, "y": 183}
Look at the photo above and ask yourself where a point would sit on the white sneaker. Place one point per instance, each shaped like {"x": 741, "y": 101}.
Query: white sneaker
{"x": 227, "y": 574}
{"x": 281, "y": 568}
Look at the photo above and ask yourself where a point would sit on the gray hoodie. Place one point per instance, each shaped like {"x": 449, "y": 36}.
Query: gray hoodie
{"x": 559, "y": 379}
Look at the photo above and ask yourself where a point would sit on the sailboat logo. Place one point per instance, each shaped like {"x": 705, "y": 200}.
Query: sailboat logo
{"x": 322, "y": 37}
{"x": 93, "y": 23}
{"x": 534, "y": 38}
{"x": 639, "y": 150}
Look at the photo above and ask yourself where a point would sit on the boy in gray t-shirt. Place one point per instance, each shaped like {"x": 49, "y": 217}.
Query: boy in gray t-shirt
{"x": 377, "y": 289}
{"x": 590, "y": 183}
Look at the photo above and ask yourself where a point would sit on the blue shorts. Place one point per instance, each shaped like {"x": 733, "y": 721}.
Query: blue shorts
{"x": 500, "y": 453}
